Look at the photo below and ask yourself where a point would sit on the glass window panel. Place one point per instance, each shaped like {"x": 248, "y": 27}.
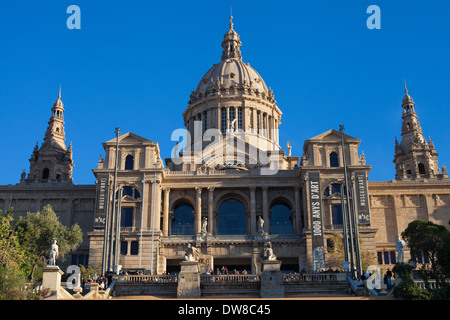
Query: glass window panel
{"x": 134, "y": 248}
{"x": 386, "y": 257}
{"x": 380, "y": 258}
{"x": 123, "y": 248}
{"x": 334, "y": 161}
{"x": 232, "y": 218}
{"x": 126, "y": 219}
{"x": 335, "y": 188}
{"x": 336, "y": 212}
{"x": 129, "y": 162}
{"x": 393, "y": 259}
{"x": 280, "y": 222}
{"x": 183, "y": 221}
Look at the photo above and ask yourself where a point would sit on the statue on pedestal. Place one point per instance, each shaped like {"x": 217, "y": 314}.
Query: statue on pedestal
{"x": 192, "y": 253}
{"x": 204, "y": 226}
{"x": 260, "y": 225}
{"x": 54, "y": 253}
{"x": 399, "y": 245}
{"x": 267, "y": 253}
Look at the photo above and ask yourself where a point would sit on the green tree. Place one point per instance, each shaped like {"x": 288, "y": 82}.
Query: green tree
{"x": 14, "y": 259}
{"x": 443, "y": 254}
{"x": 425, "y": 237}
{"x": 12, "y": 254}
{"x": 42, "y": 227}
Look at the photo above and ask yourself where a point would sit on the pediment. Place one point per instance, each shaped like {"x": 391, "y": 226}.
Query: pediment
{"x": 333, "y": 136}
{"x": 130, "y": 138}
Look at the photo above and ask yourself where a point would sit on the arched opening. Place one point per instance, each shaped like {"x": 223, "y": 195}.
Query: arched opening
{"x": 45, "y": 174}
{"x": 280, "y": 219}
{"x": 334, "y": 161}
{"x": 182, "y": 219}
{"x": 232, "y": 218}
{"x": 335, "y": 190}
{"x": 129, "y": 162}
{"x": 129, "y": 191}
{"x": 421, "y": 168}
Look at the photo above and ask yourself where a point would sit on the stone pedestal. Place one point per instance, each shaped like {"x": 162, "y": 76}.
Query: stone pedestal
{"x": 271, "y": 280}
{"x": 51, "y": 278}
{"x": 189, "y": 281}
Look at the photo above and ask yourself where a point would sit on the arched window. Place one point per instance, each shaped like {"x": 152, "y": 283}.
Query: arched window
{"x": 183, "y": 220}
{"x": 45, "y": 174}
{"x": 280, "y": 219}
{"x": 421, "y": 168}
{"x": 129, "y": 191}
{"x": 232, "y": 218}
{"x": 334, "y": 161}
{"x": 129, "y": 162}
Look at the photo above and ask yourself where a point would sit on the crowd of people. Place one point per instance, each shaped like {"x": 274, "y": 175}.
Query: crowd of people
{"x": 102, "y": 281}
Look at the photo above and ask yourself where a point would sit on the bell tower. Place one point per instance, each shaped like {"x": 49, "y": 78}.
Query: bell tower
{"x": 52, "y": 162}
{"x": 415, "y": 158}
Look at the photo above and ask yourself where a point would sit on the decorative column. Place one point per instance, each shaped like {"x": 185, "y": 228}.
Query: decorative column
{"x": 298, "y": 219}
{"x": 157, "y": 215}
{"x": 265, "y": 210}
{"x": 165, "y": 228}
{"x": 198, "y": 209}
{"x": 210, "y": 209}
{"x": 252, "y": 210}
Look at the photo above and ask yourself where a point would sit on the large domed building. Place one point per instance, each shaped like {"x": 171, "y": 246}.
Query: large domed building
{"x": 231, "y": 188}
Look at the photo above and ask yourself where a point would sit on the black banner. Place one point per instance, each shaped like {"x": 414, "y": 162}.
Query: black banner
{"x": 362, "y": 197}
{"x": 315, "y": 201}
{"x": 101, "y": 200}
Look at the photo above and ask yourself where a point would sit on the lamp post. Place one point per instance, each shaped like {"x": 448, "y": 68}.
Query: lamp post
{"x": 347, "y": 212}
{"x": 113, "y": 216}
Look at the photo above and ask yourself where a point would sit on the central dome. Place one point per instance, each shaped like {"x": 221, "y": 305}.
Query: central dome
{"x": 232, "y": 97}
{"x": 231, "y": 73}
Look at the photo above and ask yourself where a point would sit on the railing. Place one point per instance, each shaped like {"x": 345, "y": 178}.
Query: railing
{"x": 432, "y": 285}
{"x": 230, "y": 278}
{"x": 313, "y": 277}
{"x": 237, "y": 278}
{"x": 166, "y": 278}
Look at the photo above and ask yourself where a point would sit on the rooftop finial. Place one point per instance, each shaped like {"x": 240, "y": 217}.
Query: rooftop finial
{"x": 231, "y": 18}
{"x": 231, "y": 43}
{"x": 59, "y": 94}
{"x": 406, "y": 90}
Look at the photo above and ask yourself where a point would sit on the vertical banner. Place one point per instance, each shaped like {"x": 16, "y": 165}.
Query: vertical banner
{"x": 362, "y": 197}
{"x": 101, "y": 200}
{"x": 315, "y": 201}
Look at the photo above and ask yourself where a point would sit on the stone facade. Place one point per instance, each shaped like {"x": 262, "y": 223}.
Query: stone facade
{"x": 230, "y": 173}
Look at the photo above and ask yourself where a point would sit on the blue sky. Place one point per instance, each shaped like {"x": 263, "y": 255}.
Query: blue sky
{"x": 133, "y": 65}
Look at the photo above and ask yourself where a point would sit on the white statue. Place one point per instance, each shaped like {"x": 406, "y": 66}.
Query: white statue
{"x": 233, "y": 125}
{"x": 267, "y": 253}
{"x": 399, "y": 245}
{"x": 192, "y": 253}
{"x": 289, "y": 147}
{"x": 54, "y": 253}
{"x": 204, "y": 225}
{"x": 260, "y": 225}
